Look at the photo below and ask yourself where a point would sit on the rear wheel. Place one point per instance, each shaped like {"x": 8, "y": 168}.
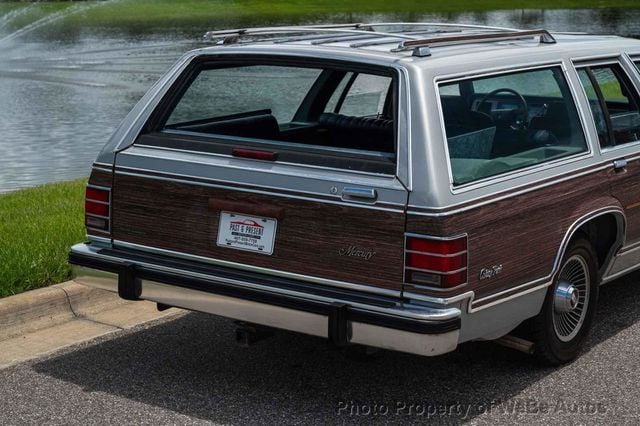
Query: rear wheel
{"x": 562, "y": 326}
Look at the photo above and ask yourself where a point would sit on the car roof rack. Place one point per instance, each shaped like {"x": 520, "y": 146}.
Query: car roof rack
{"x": 422, "y": 47}
{"x": 409, "y": 35}
{"x": 235, "y": 35}
{"x": 335, "y": 33}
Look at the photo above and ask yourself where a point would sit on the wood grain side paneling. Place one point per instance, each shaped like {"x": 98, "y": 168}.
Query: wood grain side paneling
{"x": 184, "y": 217}
{"x": 522, "y": 233}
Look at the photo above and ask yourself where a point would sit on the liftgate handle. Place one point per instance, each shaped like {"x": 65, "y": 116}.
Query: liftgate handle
{"x": 359, "y": 193}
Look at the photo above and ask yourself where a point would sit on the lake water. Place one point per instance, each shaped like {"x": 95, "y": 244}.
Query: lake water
{"x": 63, "y": 92}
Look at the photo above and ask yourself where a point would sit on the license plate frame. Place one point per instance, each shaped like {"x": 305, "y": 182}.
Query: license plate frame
{"x": 255, "y": 234}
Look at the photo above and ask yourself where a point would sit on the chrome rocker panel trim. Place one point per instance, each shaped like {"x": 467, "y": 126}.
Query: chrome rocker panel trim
{"x": 403, "y": 327}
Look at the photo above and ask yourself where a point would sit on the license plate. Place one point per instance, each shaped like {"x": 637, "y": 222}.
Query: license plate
{"x": 250, "y": 233}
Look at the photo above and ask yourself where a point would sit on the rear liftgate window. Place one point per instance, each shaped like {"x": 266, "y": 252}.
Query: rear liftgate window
{"x": 503, "y": 123}
{"x": 332, "y": 116}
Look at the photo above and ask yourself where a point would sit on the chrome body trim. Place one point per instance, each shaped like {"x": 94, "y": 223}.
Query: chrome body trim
{"x": 284, "y": 318}
{"x": 621, "y": 273}
{"x": 337, "y": 201}
{"x": 103, "y": 241}
{"x": 274, "y": 272}
{"x": 107, "y": 168}
{"x": 438, "y": 212}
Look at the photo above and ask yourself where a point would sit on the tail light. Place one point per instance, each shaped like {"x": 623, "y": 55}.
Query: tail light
{"x": 435, "y": 262}
{"x": 97, "y": 208}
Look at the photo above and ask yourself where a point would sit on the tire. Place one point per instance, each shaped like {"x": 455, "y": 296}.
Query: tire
{"x": 561, "y": 327}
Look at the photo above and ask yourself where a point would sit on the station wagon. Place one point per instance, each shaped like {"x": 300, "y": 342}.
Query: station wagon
{"x": 407, "y": 186}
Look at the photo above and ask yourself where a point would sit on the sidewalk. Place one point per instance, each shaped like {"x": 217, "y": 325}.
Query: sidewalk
{"x": 42, "y": 321}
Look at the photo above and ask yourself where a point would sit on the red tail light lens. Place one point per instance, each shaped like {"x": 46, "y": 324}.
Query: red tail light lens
{"x": 436, "y": 262}
{"x": 97, "y": 212}
{"x": 437, "y": 246}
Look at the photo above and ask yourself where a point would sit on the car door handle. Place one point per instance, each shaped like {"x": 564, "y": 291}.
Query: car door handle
{"x": 620, "y": 164}
{"x": 362, "y": 194}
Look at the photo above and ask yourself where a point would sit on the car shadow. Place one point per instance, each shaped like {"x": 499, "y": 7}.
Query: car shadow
{"x": 192, "y": 365}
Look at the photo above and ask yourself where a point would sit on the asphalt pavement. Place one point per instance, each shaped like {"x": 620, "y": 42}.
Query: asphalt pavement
{"x": 189, "y": 370}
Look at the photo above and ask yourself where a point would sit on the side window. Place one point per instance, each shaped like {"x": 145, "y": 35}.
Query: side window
{"x": 596, "y": 108}
{"x": 366, "y": 96}
{"x": 509, "y": 121}
{"x": 614, "y": 103}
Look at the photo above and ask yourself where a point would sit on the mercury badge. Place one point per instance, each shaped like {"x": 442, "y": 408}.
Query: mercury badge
{"x": 355, "y": 251}
{"x": 490, "y": 272}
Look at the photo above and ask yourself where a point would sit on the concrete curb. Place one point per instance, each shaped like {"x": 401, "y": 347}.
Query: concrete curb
{"x": 43, "y": 320}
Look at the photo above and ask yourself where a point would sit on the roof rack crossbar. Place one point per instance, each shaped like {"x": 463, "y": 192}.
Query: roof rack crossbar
{"x": 437, "y": 24}
{"x": 422, "y": 47}
{"x": 390, "y": 40}
{"x": 233, "y": 35}
{"x": 411, "y": 35}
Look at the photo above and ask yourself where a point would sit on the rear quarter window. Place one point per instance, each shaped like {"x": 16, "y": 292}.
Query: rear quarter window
{"x": 508, "y": 122}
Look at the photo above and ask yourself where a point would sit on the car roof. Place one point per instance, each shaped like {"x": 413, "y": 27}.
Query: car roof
{"x": 423, "y": 44}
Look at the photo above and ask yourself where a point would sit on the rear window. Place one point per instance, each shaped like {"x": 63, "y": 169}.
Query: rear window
{"x": 507, "y": 122}
{"x": 219, "y": 93}
{"x": 330, "y": 115}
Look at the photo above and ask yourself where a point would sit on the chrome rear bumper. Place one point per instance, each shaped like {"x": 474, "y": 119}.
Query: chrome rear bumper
{"x": 343, "y": 319}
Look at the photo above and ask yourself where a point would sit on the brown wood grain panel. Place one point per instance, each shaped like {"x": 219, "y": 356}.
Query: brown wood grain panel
{"x": 522, "y": 233}
{"x": 179, "y": 216}
{"x": 625, "y": 185}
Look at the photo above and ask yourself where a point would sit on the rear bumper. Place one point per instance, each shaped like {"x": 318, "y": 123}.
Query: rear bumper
{"x": 341, "y": 316}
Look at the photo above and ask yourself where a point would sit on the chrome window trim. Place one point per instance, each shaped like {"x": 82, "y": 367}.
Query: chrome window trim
{"x": 630, "y": 71}
{"x": 525, "y": 171}
{"x": 596, "y": 58}
{"x": 404, "y": 172}
{"x": 267, "y": 271}
{"x": 285, "y": 145}
{"x": 254, "y": 191}
{"x": 313, "y": 166}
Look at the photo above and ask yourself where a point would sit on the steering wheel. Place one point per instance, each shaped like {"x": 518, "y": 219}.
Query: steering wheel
{"x": 517, "y": 119}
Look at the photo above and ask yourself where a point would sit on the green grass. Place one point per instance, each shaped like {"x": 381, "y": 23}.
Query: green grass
{"x": 145, "y": 14}
{"x": 37, "y": 227}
